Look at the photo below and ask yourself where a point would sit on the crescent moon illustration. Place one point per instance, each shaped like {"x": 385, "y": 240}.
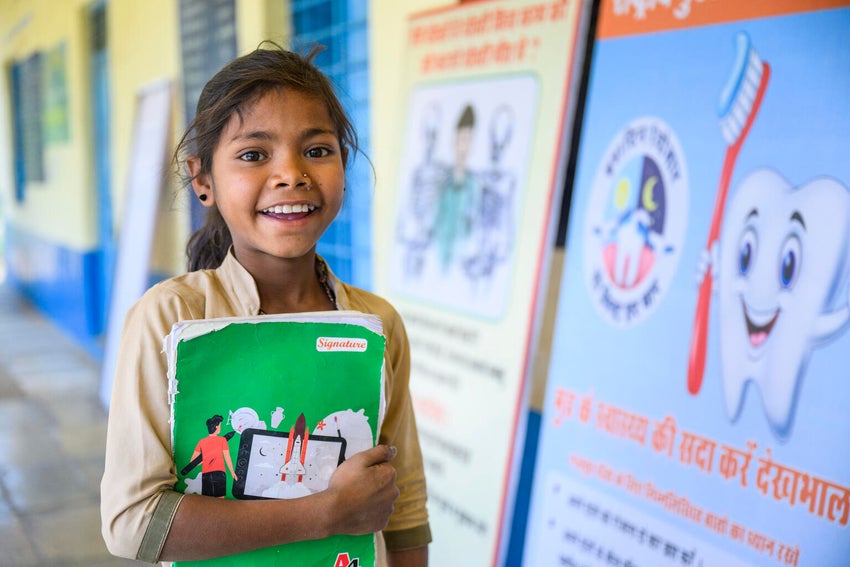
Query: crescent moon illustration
{"x": 646, "y": 194}
{"x": 261, "y": 452}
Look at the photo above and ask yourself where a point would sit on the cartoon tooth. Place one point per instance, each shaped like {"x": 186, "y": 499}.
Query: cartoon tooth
{"x": 782, "y": 279}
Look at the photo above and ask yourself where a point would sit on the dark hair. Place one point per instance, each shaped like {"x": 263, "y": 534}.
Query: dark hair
{"x": 238, "y": 84}
{"x": 467, "y": 118}
{"x": 214, "y": 422}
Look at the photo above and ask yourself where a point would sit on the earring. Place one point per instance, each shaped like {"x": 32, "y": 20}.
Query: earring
{"x": 202, "y": 196}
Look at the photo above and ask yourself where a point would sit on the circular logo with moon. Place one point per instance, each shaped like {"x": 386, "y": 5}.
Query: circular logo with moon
{"x": 635, "y": 222}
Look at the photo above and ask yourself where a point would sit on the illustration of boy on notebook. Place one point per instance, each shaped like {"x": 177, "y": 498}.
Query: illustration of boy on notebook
{"x": 212, "y": 452}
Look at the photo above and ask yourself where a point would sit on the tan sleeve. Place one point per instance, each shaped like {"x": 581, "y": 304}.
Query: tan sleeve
{"x": 139, "y": 474}
{"x": 408, "y": 526}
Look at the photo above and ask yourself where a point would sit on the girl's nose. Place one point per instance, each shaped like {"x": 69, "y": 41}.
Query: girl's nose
{"x": 307, "y": 181}
{"x": 290, "y": 175}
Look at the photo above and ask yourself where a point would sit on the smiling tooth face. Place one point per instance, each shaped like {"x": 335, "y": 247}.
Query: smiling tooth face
{"x": 783, "y": 258}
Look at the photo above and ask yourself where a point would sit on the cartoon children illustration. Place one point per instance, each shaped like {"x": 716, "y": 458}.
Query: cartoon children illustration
{"x": 458, "y": 219}
{"x": 416, "y": 226}
{"x": 459, "y": 196}
{"x": 498, "y": 184}
{"x": 214, "y": 453}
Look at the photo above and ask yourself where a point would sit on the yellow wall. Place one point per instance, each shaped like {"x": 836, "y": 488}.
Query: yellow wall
{"x": 135, "y": 60}
{"x": 144, "y": 46}
{"x": 62, "y": 207}
{"x": 258, "y": 20}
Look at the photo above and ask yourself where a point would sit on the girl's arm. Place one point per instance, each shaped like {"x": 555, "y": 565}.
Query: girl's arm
{"x": 359, "y": 500}
{"x": 408, "y": 558}
{"x": 408, "y": 531}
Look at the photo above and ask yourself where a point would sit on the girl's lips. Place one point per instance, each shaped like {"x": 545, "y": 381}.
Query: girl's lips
{"x": 290, "y": 212}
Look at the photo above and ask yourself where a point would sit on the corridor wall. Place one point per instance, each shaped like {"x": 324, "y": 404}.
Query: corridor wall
{"x": 60, "y": 225}
{"x": 54, "y": 252}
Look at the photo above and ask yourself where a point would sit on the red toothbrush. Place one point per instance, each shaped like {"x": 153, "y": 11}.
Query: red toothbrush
{"x": 739, "y": 105}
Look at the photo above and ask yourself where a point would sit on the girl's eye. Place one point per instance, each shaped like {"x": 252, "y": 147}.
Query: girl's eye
{"x": 251, "y": 156}
{"x": 318, "y": 152}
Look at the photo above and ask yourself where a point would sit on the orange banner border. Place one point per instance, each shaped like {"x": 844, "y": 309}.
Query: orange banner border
{"x": 659, "y": 17}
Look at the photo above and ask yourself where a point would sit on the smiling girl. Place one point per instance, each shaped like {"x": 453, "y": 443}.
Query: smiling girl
{"x": 266, "y": 154}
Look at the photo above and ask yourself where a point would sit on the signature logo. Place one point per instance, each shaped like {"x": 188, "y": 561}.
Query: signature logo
{"x": 337, "y": 344}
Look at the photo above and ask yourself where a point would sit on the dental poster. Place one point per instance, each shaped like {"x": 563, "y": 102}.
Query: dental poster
{"x": 696, "y": 409}
{"x": 480, "y": 171}
{"x": 265, "y": 408}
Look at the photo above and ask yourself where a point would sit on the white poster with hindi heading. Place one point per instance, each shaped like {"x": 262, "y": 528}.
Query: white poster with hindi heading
{"x": 481, "y": 158}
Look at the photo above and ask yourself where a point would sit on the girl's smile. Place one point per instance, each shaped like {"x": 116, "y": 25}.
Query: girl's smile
{"x": 289, "y": 212}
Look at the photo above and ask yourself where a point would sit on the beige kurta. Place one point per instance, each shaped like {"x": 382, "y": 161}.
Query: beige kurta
{"x": 137, "y": 497}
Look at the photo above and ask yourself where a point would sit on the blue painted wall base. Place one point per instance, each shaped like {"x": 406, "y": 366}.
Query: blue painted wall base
{"x": 68, "y": 286}
{"x": 63, "y": 283}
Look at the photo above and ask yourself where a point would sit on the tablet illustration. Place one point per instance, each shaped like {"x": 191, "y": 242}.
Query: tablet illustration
{"x": 281, "y": 465}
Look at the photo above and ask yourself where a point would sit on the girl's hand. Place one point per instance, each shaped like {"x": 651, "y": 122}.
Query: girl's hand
{"x": 362, "y": 492}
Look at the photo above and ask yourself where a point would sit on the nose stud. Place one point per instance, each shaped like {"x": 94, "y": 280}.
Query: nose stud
{"x": 309, "y": 185}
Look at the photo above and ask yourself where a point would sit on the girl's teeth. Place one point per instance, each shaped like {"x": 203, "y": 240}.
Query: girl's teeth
{"x": 287, "y": 209}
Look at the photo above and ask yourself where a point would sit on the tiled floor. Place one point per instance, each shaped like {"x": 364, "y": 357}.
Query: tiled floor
{"x": 52, "y": 433}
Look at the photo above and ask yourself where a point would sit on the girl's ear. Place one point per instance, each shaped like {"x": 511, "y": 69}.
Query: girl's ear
{"x": 201, "y": 182}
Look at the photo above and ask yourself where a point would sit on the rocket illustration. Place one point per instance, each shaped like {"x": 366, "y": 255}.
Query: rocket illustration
{"x": 296, "y": 452}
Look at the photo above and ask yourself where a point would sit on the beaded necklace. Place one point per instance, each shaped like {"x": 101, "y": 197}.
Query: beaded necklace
{"x": 322, "y": 274}
{"x": 322, "y": 269}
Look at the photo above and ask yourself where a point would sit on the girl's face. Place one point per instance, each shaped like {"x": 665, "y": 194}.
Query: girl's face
{"x": 258, "y": 179}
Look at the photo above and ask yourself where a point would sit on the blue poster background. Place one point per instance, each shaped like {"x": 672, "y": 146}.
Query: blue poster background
{"x": 802, "y": 132}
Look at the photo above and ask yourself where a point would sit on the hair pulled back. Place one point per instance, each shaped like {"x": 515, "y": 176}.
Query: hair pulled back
{"x": 237, "y": 85}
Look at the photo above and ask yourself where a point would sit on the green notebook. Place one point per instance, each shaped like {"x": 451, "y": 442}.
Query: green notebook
{"x": 287, "y": 398}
